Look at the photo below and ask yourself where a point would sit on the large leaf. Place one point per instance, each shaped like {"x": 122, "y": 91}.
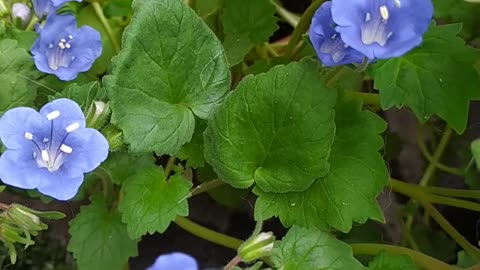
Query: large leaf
{"x": 15, "y": 69}
{"x": 436, "y": 78}
{"x": 170, "y": 68}
{"x": 246, "y": 23}
{"x": 311, "y": 249}
{"x": 151, "y": 202}
{"x": 275, "y": 130}
{"x": 348, "y": 192}
{"x": 99, "y": 238}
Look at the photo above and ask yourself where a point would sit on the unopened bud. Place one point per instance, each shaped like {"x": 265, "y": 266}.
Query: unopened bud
{"x": 98, "y": 115}
{"x": 258, "y": 246}
{"x": 22, "y": 12}
{"x": 25, "y": 219}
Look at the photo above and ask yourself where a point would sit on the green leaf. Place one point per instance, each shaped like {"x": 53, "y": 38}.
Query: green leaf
{"x": 171, "y": 67}
{"x": 428, "y": 240}
{"x": 83, "y": 94}
{"x": 475, "y": 148}
{"x": 151, "y": 202}
{"x": 458, "y": 11}
{"x": 246, "y": 23}
{"x": 385, "y": 261}
{"x": 435, "y": 78}
{"x": 121, "y": 165}
{"x": 312, "y": 249}
{"x": 348, "y": 192}
{"x": 99, "y": 239}
{"x": 15, "y": 69}
{"x": 465, "y": 260}
{"x": 275, "y": 130}
{"x": 192, "y": 151}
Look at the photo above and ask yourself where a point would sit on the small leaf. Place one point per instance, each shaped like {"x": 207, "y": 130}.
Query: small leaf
{"x": 348, "y": 192}
{"x": 312, "y": 249}
{"x": 121, "y": 165}
{"x": 151, "y": 203}
{"x": 436, "y": 78}
{"x": 192, "y": 151}
{"x": 385, "y": 261}
{"x": 99, "y": 238}
{"x": 171, "y": 68}
{"x": 275, "y": 130}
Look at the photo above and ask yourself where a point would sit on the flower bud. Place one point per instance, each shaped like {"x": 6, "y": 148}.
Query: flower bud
{"x": 258, "y": 246}
{"x": 22, "y": 12}
{"x": 25, "y": 219}
{"x": 98, "y": 115}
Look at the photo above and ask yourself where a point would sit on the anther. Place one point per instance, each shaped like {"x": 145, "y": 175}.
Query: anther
{"x": 63, "y": 40}
{"x": 50, "y": 45}
{"x": 384, "y": 12}
{"x": 61, "y": 45}
{"x": 66, "y": 149}
{"x": 367, "y": 17}
{"x": 45, "y": 156}
{"x": 53, "y": 115}
{"x": 72, "y": 127}
{"x": 67, "y": 46}
{"x": 70, "y": 37}
{"x": 397, "y": 3}
{"x": 28, "y": 136}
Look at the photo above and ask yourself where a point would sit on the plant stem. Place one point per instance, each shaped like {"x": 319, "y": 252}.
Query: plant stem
{"x": 461, "y": 193}
{"x": 236, "y": 260}
{"x": 32, "y": 23}
{"x": 207, "y": 234}
{"x": 99, "y": 12}
{"x": 288, "y": 16}
{"x": 454, "y": 202}
{"x": 419, "y": 258}
{"x": 367, "y": 98}
{"x": 302, "y": 27}
{"x": 421, "y": 197}
{"x": 430, "y": 158}
{"x": 169, "y": 166}
{"x": 207, "y": 186}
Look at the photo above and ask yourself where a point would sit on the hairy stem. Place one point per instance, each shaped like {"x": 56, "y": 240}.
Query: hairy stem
{"x": 207, "y": 186}
{"x": 419, "y": 258}
{"x": 99, "y": 12}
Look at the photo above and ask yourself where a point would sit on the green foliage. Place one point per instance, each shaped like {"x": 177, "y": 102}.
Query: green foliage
{"x": 313, "y": 249}
{"x": 428, "y": 240}
{"x": 192, "y": 151}
{"x": 164, "y": 76}
{"x": 274, "y": 130}
{"x": 121, "y": 165}
{"x": 151, "y": 202}
{"x": 436, "y": 78}
{"x": 246, "y": 23}
{"x": 99, "y": 239}
{"x": 356, "y": 168}
{"x": 83, "y": 94}
{"x": 15, "y": 71}
{"x": 385, "y": 261}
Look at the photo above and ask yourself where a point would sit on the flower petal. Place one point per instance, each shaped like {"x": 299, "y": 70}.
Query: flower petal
{"x": 62, "y": 184}
{"x": 19, "y": 169}
{"x": 16, "y": 122}
{"x": 70, "y": 112}
{"x": 174, "y": 261}
{"x": 90, "y": 149}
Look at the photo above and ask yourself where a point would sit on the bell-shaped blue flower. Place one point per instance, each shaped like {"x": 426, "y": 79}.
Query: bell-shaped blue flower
{"x": 65, "y": 50}
{"x": 382, "y": 28}
{"x": 43, "y": 8}
{"x": 49, "y": 150}
{"x": 327, "y": 43}
{"x": 176, "y": 260}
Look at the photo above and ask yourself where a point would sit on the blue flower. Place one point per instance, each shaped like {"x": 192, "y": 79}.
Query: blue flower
{"x": 45, "y": 7}
{"x": 176, "y": 260}
{"x": 65, "y": 50}
{"x": 327, "y": 43}
{"x": 382, "y": 28}
{"x": 50, "y": 150}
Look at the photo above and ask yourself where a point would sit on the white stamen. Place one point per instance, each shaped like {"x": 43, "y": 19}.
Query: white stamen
{"x": 28, "y": 136}
{"x": 45, "y": 140}
{"x": 67, "y": 46}
{"x": 389, "y": 35}
{"x": 45, "y": 156}
{"x": 334, "y": 36}
{"x": 61, "y": 45}
{"x": 66, "y": 149}
{"x": 71, "y": 37}
{"x": 367, "y": 17}
{"x": 72, "y": 127}
{"x": 384, "y": 12}
{"x": 50, "y": 45}
{"x": 397, "y": 3}
{"x": 63, "y": 40}
{"x": 53, "y": 115}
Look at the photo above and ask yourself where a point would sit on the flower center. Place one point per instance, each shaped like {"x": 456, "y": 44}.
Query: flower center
{"x": 335, "y": 47}
{"x": 59, "y": 56}
{"x": 48, "y": 153}
{"x": 375, "y": 27}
